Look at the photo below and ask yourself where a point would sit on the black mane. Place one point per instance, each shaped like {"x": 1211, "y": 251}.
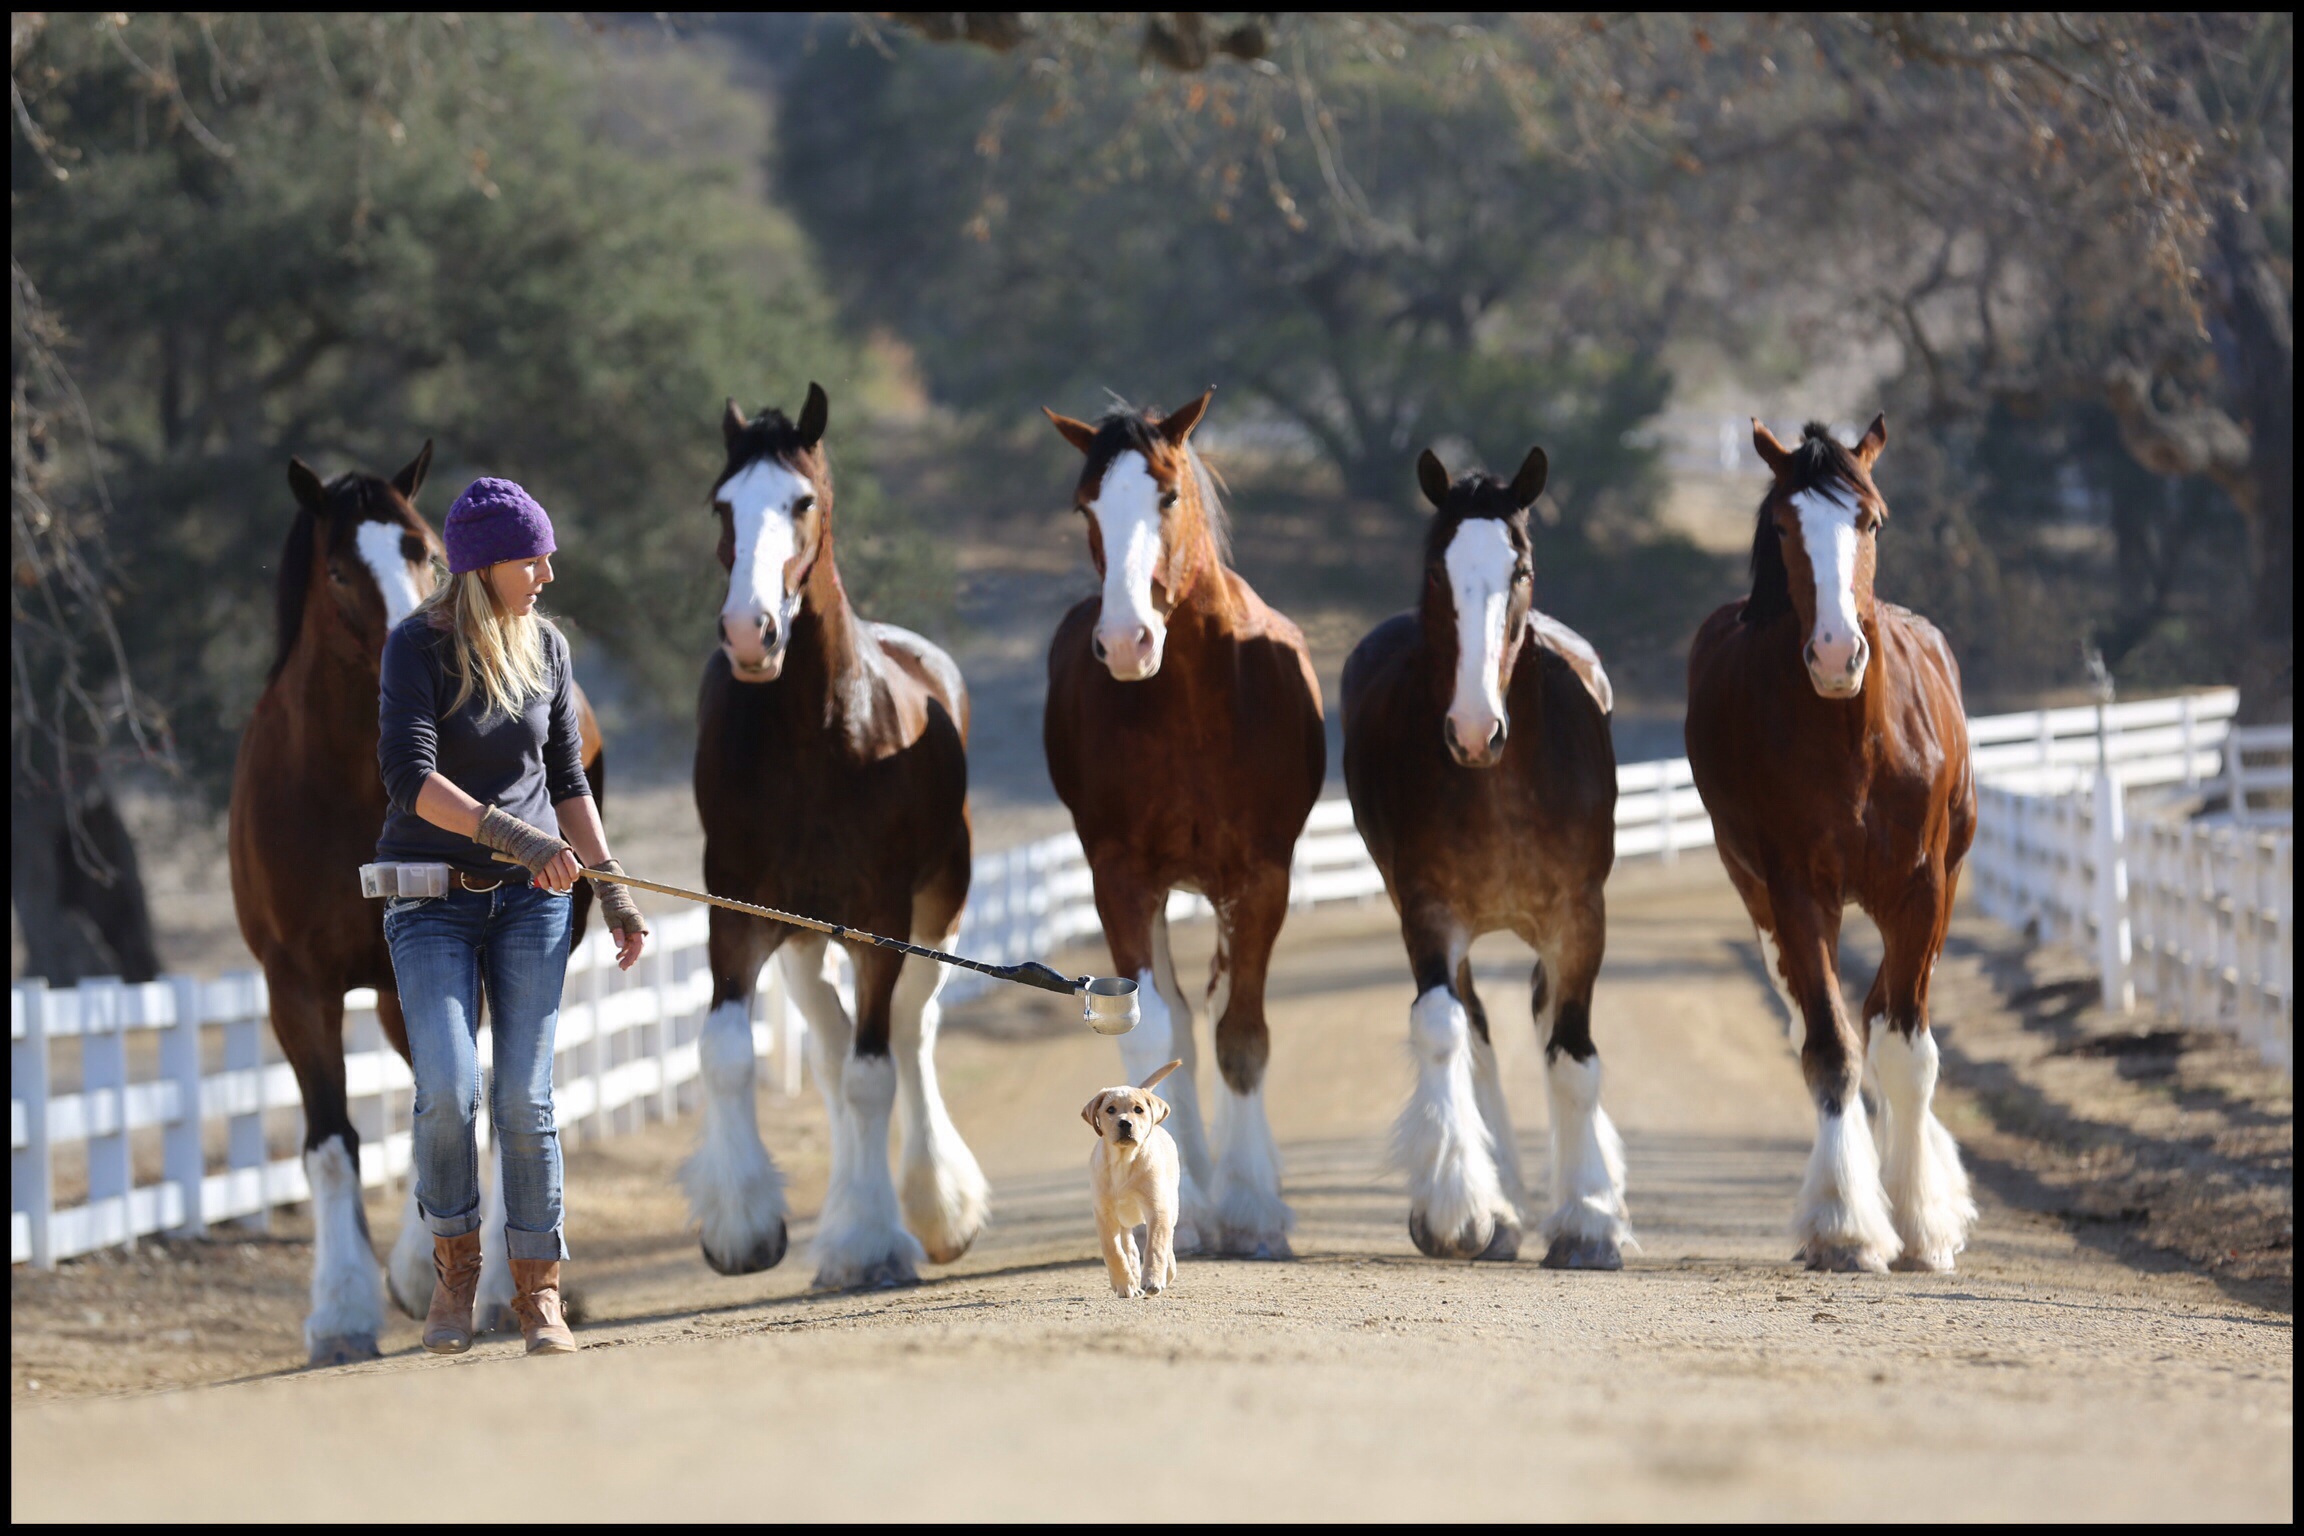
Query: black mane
{"x": 1474, "y": 495}
{"x": 1820, "y": 460}
{"x": 771, "y": 435}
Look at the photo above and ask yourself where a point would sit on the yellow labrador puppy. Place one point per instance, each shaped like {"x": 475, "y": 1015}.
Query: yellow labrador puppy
{"x": 1133, "y": 1173}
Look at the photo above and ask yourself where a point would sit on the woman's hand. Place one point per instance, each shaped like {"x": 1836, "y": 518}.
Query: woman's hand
{"x": 629, "y": 943}
{"x": 560, "y": 875}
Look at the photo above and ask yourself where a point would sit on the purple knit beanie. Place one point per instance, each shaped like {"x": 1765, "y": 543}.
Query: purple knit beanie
{"x": 494, "y": 521}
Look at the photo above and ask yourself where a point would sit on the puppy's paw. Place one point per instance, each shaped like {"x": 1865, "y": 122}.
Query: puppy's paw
{"x": 1127, "y": 1292}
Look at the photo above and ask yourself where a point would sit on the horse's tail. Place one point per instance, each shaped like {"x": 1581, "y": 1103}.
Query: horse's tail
{"x": 596, "y": 775}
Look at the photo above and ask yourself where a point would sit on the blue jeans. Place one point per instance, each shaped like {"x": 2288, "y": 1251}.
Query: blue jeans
{"x": 514, "y": 941}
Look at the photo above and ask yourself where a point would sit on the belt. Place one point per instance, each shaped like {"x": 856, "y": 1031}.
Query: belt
{"x": 465, "y": 882}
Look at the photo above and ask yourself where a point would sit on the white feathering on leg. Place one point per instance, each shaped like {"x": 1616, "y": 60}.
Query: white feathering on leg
{"x": 1587, "y": 1157}
{"x": 1927, "y": 1188}
{"x": 1441, "y": 1140}
{"x": 1843, "y": 1208}
{"x": 945, "y": 1197}
{"x": 347, "y": 1286}
{"x": 735, "y": 1192}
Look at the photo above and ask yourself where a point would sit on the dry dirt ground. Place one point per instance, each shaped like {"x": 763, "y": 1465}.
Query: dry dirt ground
{"x": 2086, "y": 1362}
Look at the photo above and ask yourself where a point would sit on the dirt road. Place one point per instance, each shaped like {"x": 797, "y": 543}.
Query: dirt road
{"x": 2047, "y": 1379}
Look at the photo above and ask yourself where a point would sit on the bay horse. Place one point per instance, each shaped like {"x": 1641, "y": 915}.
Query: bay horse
{"x": 307, "y": 804}
{"x": 1183, "y": 730}
{"x": 1830, "y": 746}
{"x": 1483, "y": 780}
{"x": 831, "y": 779}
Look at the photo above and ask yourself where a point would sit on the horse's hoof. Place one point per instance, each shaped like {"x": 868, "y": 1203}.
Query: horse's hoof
{"x": 765, "y": 1253}
{"x": 1583, "y": 1253}
{"x": 343, "y": 1349}
{"x": 1841, "y": 1259}
{"x": 891, "y": 1273}
{"x": 1459, "y": 1246}
{"x": 1266, "y": 1246}
{"x": 416, "y": 1309}
{"x": 1911, "y": 1263}
{"x": 1504, "y": 1247}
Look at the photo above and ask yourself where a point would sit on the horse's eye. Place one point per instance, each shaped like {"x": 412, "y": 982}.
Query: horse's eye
{"x": 411, "y": 549}
{"x": 720, "y": 507}
{"x": 1522, "y": 576}
{"x": 803, "y": 506}
{"x": 1167, "y": 500}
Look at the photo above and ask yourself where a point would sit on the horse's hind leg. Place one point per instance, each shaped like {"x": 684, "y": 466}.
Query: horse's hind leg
{"x": 1488, "y": 1092}
{"x": 408, "y": 1270}
{"x": 347, "y": 1292}
{"x": 1250, "y": 1217}
{"x": 735, "y": 1192}
{"x": 1843, "y": 1221}
{"x": 1588, "y": 1226}
{"x": 860, "y": 1238}
{"x": 945, "y": 1197}
{"x": 1458, "y": 1207}
{"x": 1927, "y": 1188}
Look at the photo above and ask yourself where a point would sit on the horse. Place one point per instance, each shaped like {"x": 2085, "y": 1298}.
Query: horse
{"x": 1183, "y": 730}
{"x": 1483, "y": 780}
{"x": 307, "y": 804}
{"x": 1830, "y": 746}
{"x": 831, "y": 779}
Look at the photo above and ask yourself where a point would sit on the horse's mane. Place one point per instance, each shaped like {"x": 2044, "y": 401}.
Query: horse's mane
{"x": 1821, "y": 459}
{"x": 771, "y": 435}
{"x": 1125, "y": 429}
{"x": 1478, "y": 489}
{"x": 290, "y": 585}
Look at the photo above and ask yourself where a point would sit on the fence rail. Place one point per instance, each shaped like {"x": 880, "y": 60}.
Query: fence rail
{"x": 180, "y": 1061}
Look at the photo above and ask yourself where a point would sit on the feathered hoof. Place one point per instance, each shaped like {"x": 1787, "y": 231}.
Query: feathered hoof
{"x": 766, "y": 1252}
{"x": 343, "y": 1349}
{"x": 1499, "y": 1241}
{"x": 409, "y": 1308}
{"x": 1253, "y": 1243}
{"x": 1842, "y": 1258}
{"x": 893, "y": 1272}
{"x": 1913, "y": 1263}
{"x": 1569, "y": 1252}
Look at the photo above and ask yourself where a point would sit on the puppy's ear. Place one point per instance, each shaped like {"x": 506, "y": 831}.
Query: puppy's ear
{"x": 1088, "y": 1113}
{"x": 1159, "y": 1107}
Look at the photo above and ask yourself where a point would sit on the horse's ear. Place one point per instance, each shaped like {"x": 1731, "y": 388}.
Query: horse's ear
{"x": 1772, "y": 453}
{"x": 310, "y": 494}
{"x": 1875, "y": 439}
{"x": 410, "y": 480}
{"x": 1078, "y": 433}
{"x": 1529, "y": 483}
{"x": 1432, "y": 475}
{"x": 815, "y": 416}
{"x": 1177, "y": 425}
{"x": 732, "y": 424}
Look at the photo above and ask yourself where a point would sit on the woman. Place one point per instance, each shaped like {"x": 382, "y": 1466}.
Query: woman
{"x": 479, "y": 746}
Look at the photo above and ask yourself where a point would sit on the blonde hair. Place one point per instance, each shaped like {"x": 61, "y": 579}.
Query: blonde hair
{"x": 499, "y": 655}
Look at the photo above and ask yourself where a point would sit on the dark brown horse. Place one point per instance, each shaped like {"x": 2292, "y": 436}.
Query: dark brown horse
{"x": 1829, "y": 743}
{"x": 832, "y": 780}
{"x": 1183, "y": 732}
{"x": 307, "y": 804}
{"x": 1483, "y": 781}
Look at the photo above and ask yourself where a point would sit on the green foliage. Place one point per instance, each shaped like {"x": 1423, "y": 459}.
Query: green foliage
{"x": 337, "y": 237}
{"x": 1379, "y": 256}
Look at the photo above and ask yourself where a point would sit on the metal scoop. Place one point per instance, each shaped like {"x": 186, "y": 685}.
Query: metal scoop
{"x": 1108, "y": 1003}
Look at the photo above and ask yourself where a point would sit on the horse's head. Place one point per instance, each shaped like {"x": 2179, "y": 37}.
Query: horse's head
{"x": 1478, "y": 577}
{"x": 360, "y": 546}
{"x": 1815, "y": 548}
{"x": 774, "y": 501}
{"x": 1153, "y": 526}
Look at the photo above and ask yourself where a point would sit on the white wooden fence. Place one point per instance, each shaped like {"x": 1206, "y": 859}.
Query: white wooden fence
{"x": 163, "y": 1128}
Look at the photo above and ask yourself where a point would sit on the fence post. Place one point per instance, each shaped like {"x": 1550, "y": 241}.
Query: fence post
{"x": 244, "y": 1057}
{"x": 1668, "y": 840}
{"x": 184, "y": 1163}
{"x": 2113, "y": 939}
{"x": 104, "y": 1092}
{"x": 2235, "y": 779}
{"x": 595, "y": 1053}
{"x": 2190, "y": 723}
{"x": 33, "y": 1195}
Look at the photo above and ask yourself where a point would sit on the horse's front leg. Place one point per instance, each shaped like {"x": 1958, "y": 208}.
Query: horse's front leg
{"x": 860, "y": 1239}
{"x": 347, "y": 1291}
{"x": 735, "y": 1191}
{"x": 1588, "y": 1225}
{"x": 945, "y": 1197}
{"x": 1458, "y": 1206}
{"x": 1133, "y": 911}
{"x": 1927, "y": 1188}
{"x": 1251, "y": 1218}
{"x": 1843, "y": 1221}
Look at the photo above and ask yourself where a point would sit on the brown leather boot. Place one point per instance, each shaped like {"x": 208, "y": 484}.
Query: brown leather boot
{"x": 456, "y": 1277}
{"x": 536, "y": 1301}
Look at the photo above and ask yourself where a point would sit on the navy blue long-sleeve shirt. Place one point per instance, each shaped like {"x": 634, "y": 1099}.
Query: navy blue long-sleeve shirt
{"x": 524, "y": 764}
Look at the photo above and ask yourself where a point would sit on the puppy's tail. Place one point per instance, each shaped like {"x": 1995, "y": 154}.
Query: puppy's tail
{"x": 1156, "y": 1078}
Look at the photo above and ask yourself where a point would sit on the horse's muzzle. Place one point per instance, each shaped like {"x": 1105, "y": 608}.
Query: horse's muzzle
{"x": 1487, "y": 754}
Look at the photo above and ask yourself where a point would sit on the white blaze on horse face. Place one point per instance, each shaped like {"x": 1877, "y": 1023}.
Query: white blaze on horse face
{"x": 379, "y": 545}
{"x": 1130, "y": 631}
{"x": 1836, "y": 651}
{"x": 756, "y": 621}
{"x": 1480, "y": 562}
